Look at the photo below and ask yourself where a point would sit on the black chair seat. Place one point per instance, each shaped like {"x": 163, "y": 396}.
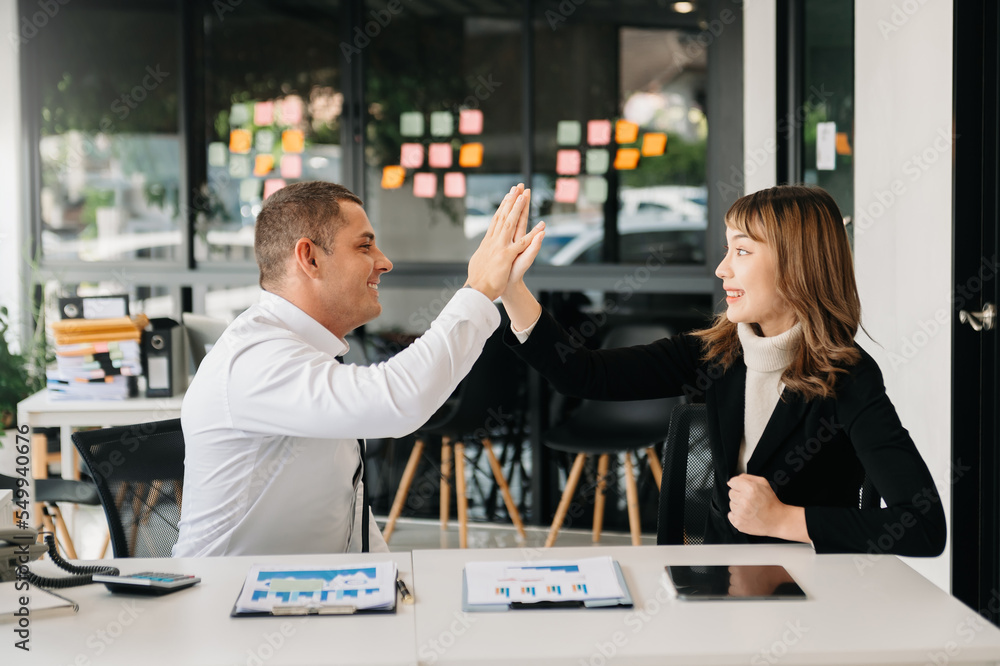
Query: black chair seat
{"x": 66, "y": 490}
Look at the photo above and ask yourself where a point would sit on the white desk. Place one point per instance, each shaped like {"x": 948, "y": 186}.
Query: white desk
{"x": 885, "y": 613}
{"x": 6, "y": 508}
{"x": 193, "y": 626}
{"x": 40, "y": 411}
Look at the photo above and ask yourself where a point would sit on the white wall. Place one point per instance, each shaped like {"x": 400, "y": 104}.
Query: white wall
{"x": 903, "y": 248}
{"x": 759, "y": 97}
{"x": 11, "y": 240}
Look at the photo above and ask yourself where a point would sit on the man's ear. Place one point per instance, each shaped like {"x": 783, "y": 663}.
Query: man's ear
{"x": 305, "y": 256}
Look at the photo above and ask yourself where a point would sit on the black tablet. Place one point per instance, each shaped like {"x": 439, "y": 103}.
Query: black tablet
{"x": 736, "y": 581}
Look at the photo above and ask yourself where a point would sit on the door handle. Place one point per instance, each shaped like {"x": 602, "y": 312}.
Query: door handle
{"x": 980, "y": 321}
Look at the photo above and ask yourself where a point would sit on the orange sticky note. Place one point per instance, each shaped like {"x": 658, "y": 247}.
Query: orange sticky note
{"x": 471, "y": 155}
{"x": 454, "y": 184}
{"x": 627, "y": 158}
{"x": 239, "y": 141}
{"x": 470, "y": 121}
{"x": 568, "y": 162}
{"x": 439, "y": 156}
{"x": 653, "y": 144}
{"x": 393, "y": 177}
{"x": 567, "y": 190}
{"x": 425, "y": 185}
{"x": 291, "y": 166}
{"x": 263, "y": 113}
{"x": 272, "y": 185}
{"x": 598, "y": 132}
{"x": 263, "y": 164}
{"x": 626, "y": 131}
{"x": 293, "y": 141}
{"x": 843, "y": 146}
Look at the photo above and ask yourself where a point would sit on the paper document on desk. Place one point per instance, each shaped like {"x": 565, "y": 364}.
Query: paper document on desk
{"x": 553, "y": 580}
{"x": 272, "y": 589}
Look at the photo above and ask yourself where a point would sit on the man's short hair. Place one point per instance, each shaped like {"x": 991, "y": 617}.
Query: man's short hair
{"x": 300, "y": 210}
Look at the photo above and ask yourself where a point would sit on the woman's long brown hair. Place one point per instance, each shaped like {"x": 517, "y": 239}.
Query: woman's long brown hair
{"x": 815, "y": 276}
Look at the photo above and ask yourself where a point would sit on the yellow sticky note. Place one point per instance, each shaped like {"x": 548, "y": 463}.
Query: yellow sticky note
{"x": 263, "y": 164}
{"x": 626, "y": 131}
{"x": 627, "y": 158}
{"x": 293, "y": 141}
{"x": 653, "y": 144}
{"x": 471, "y": 155}
{"x": 239, "y": 141}
{"x": 393, "y": 177}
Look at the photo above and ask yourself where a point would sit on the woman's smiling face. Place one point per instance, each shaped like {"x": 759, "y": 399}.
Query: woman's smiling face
{"x": 749, "y": 276}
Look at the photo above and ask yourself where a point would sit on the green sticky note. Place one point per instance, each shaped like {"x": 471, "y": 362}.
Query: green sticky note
{"x": 239, "y": 115}
{"x": 598, "y": 160}
{"x": 264, "y": 141}
{"x": 568, "y": 133}
{"x": 442, "y": 123}
{"x": 411, "y": 123}
{"x": 296, "y": 585}
{"x": 595, "y": 189}
{"x": 218, "y": 154}
{"x": 250, "y": 189}
{"x": 239, "y": 166}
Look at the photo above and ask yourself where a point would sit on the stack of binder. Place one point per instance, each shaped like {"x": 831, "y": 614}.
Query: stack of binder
{"x": 96, "y": 359}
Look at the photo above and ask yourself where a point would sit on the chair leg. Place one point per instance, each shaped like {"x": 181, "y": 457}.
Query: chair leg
{"x": 632, "y": 499}
{"x": 60, "y": 525}
{"x": 602, "y": 484}
{"x": 107, "y": 542}
{"x": 445, "y": 492}
{"x": 654, "y": 466}
{"x": 567, "y": 497}
{"x": 463, "y": 501}
{"x": 404, "y": 489}
{"x": 508, "y": 500}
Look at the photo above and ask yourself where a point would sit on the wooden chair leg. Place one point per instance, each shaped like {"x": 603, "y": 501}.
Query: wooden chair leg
{"x": 654, "y": 466}
{"x": 60, "y": 525}
{"x": 632, "y": 499}
{"x": 404, "y": 489}
{"x": 602, "y": 485}
{"x": 567, "y": 497}
{"x": 463, "y": 501}
{"x": 107, "y": 542}
{"x": 508, "y": 500}
{"x": 445, "y": 493}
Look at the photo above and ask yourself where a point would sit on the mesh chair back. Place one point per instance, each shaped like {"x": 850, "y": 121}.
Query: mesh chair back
{"x": 139, "y": 472}
{"x": 688, "y": 478}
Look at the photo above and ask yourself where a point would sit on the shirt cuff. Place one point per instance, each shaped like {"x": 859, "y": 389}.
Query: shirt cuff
{"x": 522, "y": 336}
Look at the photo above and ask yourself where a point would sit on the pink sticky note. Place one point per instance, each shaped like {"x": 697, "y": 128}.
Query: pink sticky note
{"x": 425, "y": 185}
{"x": 568, "y": 162}
{"x": 439, "y": 156}
{"x": 470, "y": 121}
{"x": 291, "y": 110}
{"x": 567, "y": 190}
{"x": 263, "y": 113}
{"x": 411, "y": 155}
{"x": 598, "y": 132}
{"x": 454, "y": 184}
{"x": 291, "y": 165}
{"x": 272, "y": 185}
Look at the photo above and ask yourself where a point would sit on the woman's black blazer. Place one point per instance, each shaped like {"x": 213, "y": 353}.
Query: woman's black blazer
{"x": 815, "y": 454}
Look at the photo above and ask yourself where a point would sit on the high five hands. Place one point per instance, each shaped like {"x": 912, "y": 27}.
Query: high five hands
{"x": 508, "y": 249}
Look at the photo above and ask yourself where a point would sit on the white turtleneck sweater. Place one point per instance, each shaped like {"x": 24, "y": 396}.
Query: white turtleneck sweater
{"x": 766, "y": 360}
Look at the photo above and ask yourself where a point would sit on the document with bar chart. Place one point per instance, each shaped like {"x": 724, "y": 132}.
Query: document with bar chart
{"x": 318, "y": 589}
{"x": 582, "y": 580}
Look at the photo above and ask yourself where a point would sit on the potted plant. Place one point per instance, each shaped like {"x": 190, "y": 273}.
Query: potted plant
{"x": 16, "y": 383}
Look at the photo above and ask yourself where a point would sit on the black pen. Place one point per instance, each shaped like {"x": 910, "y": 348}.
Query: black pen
{"x": 403, "y": 591}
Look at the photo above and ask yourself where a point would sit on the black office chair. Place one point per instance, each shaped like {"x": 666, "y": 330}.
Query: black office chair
{"x": 47, "y": 493}
{"x": 604, "y": 428}
{"x": 490, "y": 388}
{"x": 689, "y": 478}
{"x": 139, "y": 472}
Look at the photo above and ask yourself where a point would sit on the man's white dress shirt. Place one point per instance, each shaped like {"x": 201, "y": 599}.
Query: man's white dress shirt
{"x": 271, "y": 423}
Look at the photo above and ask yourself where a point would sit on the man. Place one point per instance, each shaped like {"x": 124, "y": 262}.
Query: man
{"x": 272, "y": 419}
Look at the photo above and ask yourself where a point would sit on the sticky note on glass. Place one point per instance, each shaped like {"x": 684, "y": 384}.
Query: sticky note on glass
{"x": 598, "y": 132}
{"x": 568, "y": 133}
{"x": 291, "y": 166}
{"x": 598, "y": 160}
{"x": 272, "y": 185}
{"x": 626, "y": 131}
{"x": 393, "y": 177}
{"x": 239, "y": 114}
{"x": 411, "y": 123}
{"x": 411, "y": 155}
{"x": 568, "y": 162}
{"x": 250, "y": 189}
{"x": 293, "y": 141}
{"x": 263, "y": 113}
{"x": 567, "y": 190}
{"x": 264, "y": 141}
{"x": 843, "y": 145}
{"x": 263, "y": 164}
{"x": 291, "y": 110}
{"x": 471, "y": 155}
{"x": 653, "y": 144}
{"x": 826, "y": 146}
{"x": 239, "y": 166}
{"x": 439, "y": 156}
{"x": 595, "y": 189}
{"x": 425, "y": 185}
{"x": 627, "y": 158}
{"x": 454, "y": 184}
{"x": 239, "y": 141}
{"x": 470, "y": 121}
{"x": 442, "y": 123}
{"x": 218, "y": 154}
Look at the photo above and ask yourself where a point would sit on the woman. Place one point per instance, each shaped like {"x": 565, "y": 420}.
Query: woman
{"x": 797, "y": 411}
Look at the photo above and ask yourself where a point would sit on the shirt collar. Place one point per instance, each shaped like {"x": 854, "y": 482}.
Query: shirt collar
{"x": 303, "y": 325}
